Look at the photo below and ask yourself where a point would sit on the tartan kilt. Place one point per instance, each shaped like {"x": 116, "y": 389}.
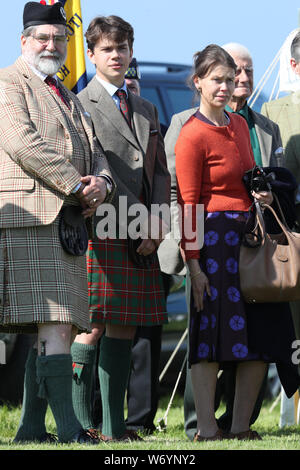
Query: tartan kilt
{"x": 39, "y": 282}
{"x": 120, "y": 293}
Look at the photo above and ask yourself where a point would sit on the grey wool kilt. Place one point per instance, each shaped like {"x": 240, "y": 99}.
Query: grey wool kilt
{"x": 39, "y": 282}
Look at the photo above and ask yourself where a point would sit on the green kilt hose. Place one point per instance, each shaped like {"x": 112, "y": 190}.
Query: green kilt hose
{"x": 40, "y": 282}
{"x": 120, "y": 293}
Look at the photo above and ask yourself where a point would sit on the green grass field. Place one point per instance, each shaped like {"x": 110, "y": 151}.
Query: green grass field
{"x": 173, "y": 439}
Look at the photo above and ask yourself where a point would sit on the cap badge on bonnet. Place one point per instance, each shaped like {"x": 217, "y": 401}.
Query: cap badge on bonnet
{"x": 63, "y": 13}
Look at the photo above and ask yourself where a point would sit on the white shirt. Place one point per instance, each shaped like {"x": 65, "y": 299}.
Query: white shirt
{"x": 111, "y": 90}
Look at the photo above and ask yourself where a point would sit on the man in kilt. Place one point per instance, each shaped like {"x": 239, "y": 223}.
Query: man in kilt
{"x": 123, "y": 292}
{"x": 47, "y": 152}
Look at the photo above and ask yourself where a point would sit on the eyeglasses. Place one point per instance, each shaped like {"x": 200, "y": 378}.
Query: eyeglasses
{"x": 46, "y": 38}
{"x": 248, "y": 70}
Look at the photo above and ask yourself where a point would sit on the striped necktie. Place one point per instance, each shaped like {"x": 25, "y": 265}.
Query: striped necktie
{"x": 53, "y": 85}
{"x": 124, "y": 105}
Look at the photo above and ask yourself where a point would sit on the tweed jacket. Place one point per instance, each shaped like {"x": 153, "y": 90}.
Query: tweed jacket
{"x": 286, "y": 113}
{"x": 136, "y": 157}
{"x": 169, "y": 255}
{"x": 269, "y": 140}
{"x": 36, "y": 148}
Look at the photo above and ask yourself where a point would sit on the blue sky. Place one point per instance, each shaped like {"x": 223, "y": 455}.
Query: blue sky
{"x": 172, "y": 31}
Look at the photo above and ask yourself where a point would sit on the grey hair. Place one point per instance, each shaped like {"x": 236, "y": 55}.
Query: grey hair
{"x": 239, "y": 49}
{"x": 28, "y": 31}
{"x": 295, "y": 47}
{"x": 31, "y": 29}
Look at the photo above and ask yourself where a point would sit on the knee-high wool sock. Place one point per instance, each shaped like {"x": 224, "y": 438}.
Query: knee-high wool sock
{"x": 83, "y": 357}
{"x": 54, "y": 374}
{"x": 114, "y": 365}
{"x": 32, "y": 422}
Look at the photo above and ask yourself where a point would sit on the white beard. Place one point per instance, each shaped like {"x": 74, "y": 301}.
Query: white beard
{"x": 46, "y": 65}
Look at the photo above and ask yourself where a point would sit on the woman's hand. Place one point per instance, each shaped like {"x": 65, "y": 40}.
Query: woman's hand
{"x": 263, "y": 197}
{"x": 200, "y": 285}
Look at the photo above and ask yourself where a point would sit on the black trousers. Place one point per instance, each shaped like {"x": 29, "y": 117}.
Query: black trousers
{"x": 143, "y": 385}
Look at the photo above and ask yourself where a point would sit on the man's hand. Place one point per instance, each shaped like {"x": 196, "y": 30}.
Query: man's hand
{"x": 92, "y": 195}
{"x": 146, "y": 247}
{"x": 153, "y": 231}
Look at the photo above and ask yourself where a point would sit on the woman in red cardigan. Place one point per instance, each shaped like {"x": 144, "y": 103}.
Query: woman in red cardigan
{"x": 213, "y": 152}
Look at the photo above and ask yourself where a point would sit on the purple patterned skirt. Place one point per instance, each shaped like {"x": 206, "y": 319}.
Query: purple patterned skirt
{"x": 228, "y": 330}
{"x": 219, "y": 332}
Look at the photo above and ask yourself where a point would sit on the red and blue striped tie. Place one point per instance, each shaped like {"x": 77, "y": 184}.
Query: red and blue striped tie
{"x": 124, "y": 105}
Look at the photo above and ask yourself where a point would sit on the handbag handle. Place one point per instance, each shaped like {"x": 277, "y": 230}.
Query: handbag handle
{"x": 283, "y": 225}
{"x": 280, "y": 209}
{"x": 260, "y": 220}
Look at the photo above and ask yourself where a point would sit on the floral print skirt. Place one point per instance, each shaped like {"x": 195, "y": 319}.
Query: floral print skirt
{"x": 219, "y": 332}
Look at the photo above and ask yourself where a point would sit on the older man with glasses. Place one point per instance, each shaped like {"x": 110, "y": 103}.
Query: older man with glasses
{"x": 264, "y": 133}
{"x": 50, "y": 165}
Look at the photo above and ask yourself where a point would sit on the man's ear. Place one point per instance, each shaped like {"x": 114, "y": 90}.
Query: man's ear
{"x": 295, "y": 66}
{"x": 90, "y": 55}
{"x": 23, "y": 40}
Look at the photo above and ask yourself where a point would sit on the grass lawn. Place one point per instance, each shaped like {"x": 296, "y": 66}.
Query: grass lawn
{"x": 173, "y": 439}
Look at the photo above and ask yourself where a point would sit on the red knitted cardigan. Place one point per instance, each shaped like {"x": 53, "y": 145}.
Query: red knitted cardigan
{"x": 210, "y": 163}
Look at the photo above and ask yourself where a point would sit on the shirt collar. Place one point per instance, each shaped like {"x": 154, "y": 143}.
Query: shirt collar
{"x": 110, "y": 88}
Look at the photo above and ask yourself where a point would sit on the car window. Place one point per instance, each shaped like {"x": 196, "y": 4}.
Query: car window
{"x": 151, "y": 94}
{"x": 181, "y": 98}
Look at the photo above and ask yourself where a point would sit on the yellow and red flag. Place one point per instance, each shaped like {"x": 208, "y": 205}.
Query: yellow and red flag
{"x": 73, "y": 73}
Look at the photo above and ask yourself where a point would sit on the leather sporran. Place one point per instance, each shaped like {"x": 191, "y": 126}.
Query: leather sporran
{"x": 269, "y": 264}
{"x": 73, "y": 232}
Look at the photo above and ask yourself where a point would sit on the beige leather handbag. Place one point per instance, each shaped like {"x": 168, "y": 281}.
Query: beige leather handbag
{"x": 270, "y": 270}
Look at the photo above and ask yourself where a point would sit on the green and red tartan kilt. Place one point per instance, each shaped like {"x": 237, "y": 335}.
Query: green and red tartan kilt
{"x": 120, "y": 293}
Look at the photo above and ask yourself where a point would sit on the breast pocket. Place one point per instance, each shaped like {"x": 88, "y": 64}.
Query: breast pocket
{"x": 17, "y": 184}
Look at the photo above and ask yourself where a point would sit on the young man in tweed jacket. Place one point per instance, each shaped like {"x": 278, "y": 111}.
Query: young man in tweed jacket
{"x": 47, "y": 151}
{"x": 122, "y": 295}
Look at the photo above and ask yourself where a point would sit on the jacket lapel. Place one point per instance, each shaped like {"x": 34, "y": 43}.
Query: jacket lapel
{"x": 140, "y": 123}
{"x": 107, "y": 108}
{"x": 264, "y": 136}
{"x": 265, "y": 143}
{"x": 41, "y": 91}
